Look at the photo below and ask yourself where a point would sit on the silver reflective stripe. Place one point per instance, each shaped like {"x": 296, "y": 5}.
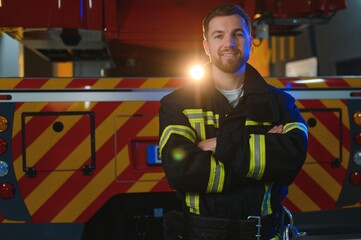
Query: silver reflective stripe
{"x": 216, "y": 176}
{"x": 198, "y": 128}
{"x": 196, "y": 117}
{"x": 257, "y": 156}
{"x": 192, "y": 201}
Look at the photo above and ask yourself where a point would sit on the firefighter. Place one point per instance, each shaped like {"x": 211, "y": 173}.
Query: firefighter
{"x": 230, "y": 144}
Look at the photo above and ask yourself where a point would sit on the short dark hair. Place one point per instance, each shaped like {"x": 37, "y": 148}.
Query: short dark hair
{"x": 226, "y": 9}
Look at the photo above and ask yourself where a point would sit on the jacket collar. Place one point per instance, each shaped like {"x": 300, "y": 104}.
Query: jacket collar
{"x": 258, "y": 103}
{"x": 254, "y": 82}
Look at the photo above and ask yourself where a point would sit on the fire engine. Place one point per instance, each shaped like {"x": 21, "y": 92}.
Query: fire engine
{"x": 79, "y": 157}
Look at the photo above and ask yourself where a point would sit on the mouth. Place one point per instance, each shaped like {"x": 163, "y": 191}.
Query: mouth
{"x": 229, "y": 54}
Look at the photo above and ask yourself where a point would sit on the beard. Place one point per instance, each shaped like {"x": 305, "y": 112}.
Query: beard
{"x": 230, "y": 65}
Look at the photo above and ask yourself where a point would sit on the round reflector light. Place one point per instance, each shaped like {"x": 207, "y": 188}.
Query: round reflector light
{"x": 357, "y": 117}
{"x": 3, "y": 123}
{"x": 357, "y": 158}
{"x": 7, "y": 190}
{"x": 4, "y": 169}
{"x": 3, "y": 146}
{"x": 355, "y": 178}
{"x": 358, "y": 138}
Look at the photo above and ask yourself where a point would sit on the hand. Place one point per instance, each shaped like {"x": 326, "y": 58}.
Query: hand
{"x": 208, "y": 144}
{"x": 276, "y": 129}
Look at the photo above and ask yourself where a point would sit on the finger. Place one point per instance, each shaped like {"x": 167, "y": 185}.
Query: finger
{"x": 273, "y": 129}
{"x": 276, "y": 129}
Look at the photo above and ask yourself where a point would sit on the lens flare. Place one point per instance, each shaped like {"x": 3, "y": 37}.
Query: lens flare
{"x": 196, "y": 72}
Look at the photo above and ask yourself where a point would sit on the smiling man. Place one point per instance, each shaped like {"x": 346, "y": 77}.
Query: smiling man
{"x": 227, "y": 42}
{"x": 230, "y": 144}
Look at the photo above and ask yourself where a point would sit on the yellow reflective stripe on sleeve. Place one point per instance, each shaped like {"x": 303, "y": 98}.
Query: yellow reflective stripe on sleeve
{"x": 199, "y": 116}
{"x": 194, "y": 115}
{"x": 212, "y": 119}
{"x": 192, "y": 201}
{"x": 202, "y": 131}
{"x": 290, "y": 126}
{"x": 222, "y": 175}
{"x": 216, "y": 176}
{"x": 266, "y": 204}
{"x": 257, "y": 161}
{"x": 254, "y": 123}
{"x": 176, "y": 129}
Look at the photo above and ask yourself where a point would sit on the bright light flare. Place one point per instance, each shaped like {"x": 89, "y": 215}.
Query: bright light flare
{"x": 87, "y": 103}
{"x": 306, "y": 81}
{"x": 196, "y": 72}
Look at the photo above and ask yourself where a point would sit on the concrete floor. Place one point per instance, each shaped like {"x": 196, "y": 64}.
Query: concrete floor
{"x": 333, "y": 237}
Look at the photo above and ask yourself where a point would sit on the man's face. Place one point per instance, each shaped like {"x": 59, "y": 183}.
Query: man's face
{"x": 228, "y": 43}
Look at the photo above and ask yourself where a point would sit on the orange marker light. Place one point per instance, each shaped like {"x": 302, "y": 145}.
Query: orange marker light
{"x": 357, "y": 117}
{"x": 3, "y": 124}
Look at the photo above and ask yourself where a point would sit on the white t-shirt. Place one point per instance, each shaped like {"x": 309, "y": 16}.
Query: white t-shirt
{"x": 233, "y": 95}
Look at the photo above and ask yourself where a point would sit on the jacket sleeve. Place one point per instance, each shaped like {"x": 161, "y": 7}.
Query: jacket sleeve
{"x": 187, "y": 167}
{"x": 268, "y": 157}
{"x": 277, "y": 157}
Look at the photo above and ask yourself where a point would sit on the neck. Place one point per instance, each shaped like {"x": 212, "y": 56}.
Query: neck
{"x": 228, "y": 81}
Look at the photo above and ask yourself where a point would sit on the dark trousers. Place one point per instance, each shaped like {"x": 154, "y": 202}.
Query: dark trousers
{"x": 200, "y": 227}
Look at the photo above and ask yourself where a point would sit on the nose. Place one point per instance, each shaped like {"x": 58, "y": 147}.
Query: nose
{"x": 230, "y": 41}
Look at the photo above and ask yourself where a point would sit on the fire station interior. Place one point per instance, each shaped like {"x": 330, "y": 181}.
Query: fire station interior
{"x": 163, "y": 39}
{"x": 154, "y": 39}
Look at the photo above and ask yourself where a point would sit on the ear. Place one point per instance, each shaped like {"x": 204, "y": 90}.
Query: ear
{"x": 206, "y": 47}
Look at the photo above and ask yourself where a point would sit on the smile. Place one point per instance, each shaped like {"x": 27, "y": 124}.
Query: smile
{"x": 231, "y": 54}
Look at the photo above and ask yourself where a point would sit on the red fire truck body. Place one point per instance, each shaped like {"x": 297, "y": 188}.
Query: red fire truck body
{"x": 84, "y": 152}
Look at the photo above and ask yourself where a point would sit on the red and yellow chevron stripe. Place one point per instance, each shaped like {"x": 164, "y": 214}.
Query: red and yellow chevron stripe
{"x": 319, "y": 184}
{"x": 61, "y": 193}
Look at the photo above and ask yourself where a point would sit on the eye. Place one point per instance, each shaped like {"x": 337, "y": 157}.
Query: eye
{"x": 218, "y": 36}
{"x": 239, "y": 35}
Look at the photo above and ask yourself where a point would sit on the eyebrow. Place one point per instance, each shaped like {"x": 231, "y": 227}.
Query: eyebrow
{"x": 216, "y": 32}
{"x": 235, "y": 30}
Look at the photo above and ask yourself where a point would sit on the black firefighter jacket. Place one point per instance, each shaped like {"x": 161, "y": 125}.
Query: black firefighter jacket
{"x": 250, "y": 170}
